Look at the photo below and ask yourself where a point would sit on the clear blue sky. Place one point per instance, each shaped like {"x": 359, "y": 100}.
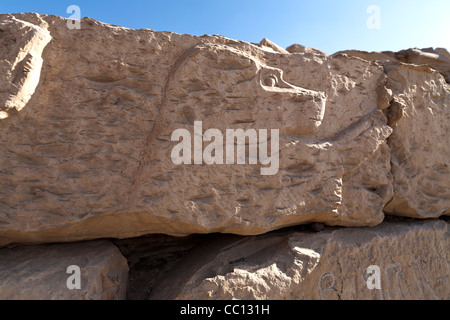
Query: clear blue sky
{"x": 328, "y": 25}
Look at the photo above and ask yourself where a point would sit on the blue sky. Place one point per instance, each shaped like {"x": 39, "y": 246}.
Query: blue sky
{"x": 328, "y": 25}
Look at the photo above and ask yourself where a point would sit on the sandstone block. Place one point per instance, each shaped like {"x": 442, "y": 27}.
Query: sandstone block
{"x": 42, "y": 272}
{"x": 410, "y": 258}
{"x": 87, "y": 136}
{"x": 89, "y": 155}
{"x": 419, "y": 113}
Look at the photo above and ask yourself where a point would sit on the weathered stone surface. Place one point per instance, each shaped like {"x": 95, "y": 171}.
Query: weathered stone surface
{"x": 22, "y": 44}
{"x": 298, "y": 48}
{"x": 85, "y": 134}
{"x": 420, "y": 115}
{"x": 40, "y": 272}
{"x": 86, "y": 151}
{"x": 90, "y": 154}
{"x": 269, "y": 44}
{"x": 420, "y": 145}
{"x": 331, "y": 265}
{"x": 438, "y": 59}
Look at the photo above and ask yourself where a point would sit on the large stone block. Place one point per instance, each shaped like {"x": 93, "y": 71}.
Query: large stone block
{"x": 392, "y": 261}
{"x": 48, "y": 272}
{"x": 89, "y": 155}
{"x": 87, "y": 145}
{"x": 419, "y": 113}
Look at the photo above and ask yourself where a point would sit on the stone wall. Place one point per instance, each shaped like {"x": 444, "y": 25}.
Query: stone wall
{"x": 251, "y": 171}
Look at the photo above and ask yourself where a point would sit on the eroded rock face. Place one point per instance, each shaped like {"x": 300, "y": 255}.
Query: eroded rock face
{"x": 420, "y": 145}
{"x": 21, "y": 49}
{"x": 41, "y": 272}
{"x": 420, "y": 115}
{"x": 438, "y": 59}
{"x": 336, "y": 264}
{"x": 89, "y": 155}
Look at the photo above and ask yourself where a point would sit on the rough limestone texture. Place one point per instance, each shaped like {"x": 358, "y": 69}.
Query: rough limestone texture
{"x": 22, "y": 44}
{"x": 40, "y": 272}
{"x": 420, "y": 115}
{"x": 438, "y": 59}
{"x": 87, "y": 117}
{"x": 413, "y": 261}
